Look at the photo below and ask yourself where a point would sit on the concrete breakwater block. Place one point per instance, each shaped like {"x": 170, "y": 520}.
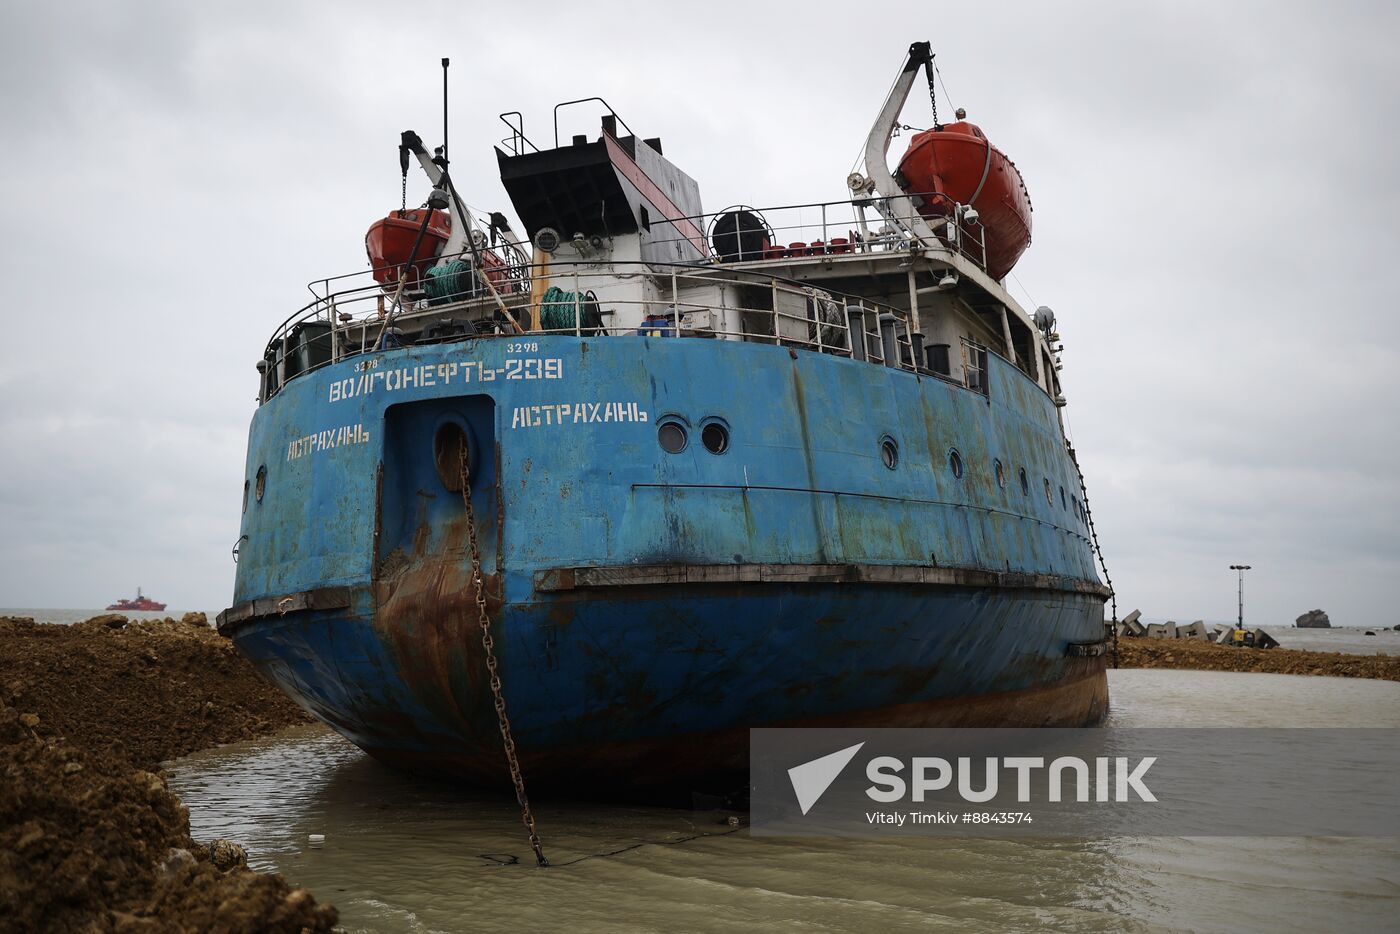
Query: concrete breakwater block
{"x": 1220, "y": 633}
{"x": 1129, "y": 625}
{"x": 1196, "y": 630}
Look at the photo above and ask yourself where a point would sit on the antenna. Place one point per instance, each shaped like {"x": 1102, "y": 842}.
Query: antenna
{"x": 445, "y": 63}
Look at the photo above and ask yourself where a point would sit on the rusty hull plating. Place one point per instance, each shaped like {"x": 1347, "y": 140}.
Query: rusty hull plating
{"x": 650, "y": 607}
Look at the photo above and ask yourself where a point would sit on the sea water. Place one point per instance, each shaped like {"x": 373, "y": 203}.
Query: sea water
{"x": 405, "y": 854}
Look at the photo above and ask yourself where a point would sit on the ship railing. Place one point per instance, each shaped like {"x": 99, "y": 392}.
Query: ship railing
{"x": 777, "y": 311}
{"x": 748, "y": 305}
{"x": 861, "y": 225}
{"x": 514, "y": 256}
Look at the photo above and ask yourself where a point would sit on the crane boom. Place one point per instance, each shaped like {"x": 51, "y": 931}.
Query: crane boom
{"x": 898, "y": 207}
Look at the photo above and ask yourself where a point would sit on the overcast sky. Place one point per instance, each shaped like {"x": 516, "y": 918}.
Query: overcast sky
{"x": 1215, "y": 210}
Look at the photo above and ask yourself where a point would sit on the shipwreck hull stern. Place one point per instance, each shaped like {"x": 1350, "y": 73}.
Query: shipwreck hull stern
{"x": 657, "y": 687}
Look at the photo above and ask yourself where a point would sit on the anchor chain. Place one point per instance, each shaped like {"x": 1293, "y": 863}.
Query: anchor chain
{"x": 527, "y": 817}
{"x": 929, "y": 67}
{"x": 1098, "y": 550}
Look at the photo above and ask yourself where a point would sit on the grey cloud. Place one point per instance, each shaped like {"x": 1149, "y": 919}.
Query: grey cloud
{"x": 1214, "y": 219}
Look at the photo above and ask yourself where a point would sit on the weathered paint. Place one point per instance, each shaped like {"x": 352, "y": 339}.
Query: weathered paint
{"x": 593, "y": 675}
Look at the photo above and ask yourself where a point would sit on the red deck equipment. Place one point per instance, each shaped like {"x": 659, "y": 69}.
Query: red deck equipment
{"x": 390, "y": 239}
{"x": 957, "y": 161}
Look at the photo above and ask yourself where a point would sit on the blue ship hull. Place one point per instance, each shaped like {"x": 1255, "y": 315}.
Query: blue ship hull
{"x": 651, "y": 607}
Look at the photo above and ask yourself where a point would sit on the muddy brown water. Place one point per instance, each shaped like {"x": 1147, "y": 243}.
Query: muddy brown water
{"x": 402, "y": 854}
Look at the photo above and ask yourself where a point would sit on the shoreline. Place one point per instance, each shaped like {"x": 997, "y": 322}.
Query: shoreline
{"x": 1199, "y": 655}
{"x": 91, "y": 837}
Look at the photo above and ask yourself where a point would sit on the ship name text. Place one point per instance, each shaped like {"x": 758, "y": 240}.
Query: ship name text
{"x": 424, "y": 376}
{"x": 575, "y": 413}
{"x": 327, "y": 440}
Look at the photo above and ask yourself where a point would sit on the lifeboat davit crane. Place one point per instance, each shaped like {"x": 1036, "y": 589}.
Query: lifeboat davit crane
{"x": 405, "y": 243}
{"x": 950, "y": 169}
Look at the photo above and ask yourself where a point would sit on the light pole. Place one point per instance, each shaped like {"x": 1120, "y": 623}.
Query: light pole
{"x": 1241, "y": 568}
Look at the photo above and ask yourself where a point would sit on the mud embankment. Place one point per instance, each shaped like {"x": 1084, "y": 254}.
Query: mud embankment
{"x": 91, "y": 838}
{"x": 1207, "y": 656}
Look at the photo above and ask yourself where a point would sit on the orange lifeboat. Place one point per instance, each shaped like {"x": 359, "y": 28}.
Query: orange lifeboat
{"x": 389, "y": 244}
{"x": 957, "y": 163}
{"x": 497, "y": 271}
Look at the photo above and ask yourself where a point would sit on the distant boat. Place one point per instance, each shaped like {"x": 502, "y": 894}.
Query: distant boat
{"x": 140, "y": 603}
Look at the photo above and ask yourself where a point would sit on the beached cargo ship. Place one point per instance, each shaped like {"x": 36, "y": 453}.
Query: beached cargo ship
{"x": 712, "y": 471}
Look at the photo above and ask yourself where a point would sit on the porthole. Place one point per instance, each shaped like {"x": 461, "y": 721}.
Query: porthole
{"x": 1063, "y": 503}
{"x": 245, "y": 495}
{"x": 671, "y": 436}
{"x": 1001, "y": 474}
{"x": 955, "y": 463}
{"x": 889, "y": 452}
{"x": 1078, "y": 510}
{"x": 1049, "y": 494}
{"x": 261, "y": 484}
{"x": 714, "y": 435}
{"x": 1025, "y": 484}
{"x": 450, "y": 446}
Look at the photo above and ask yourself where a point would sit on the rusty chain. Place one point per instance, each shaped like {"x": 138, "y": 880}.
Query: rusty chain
{"x": 1098, "y": 551}
{"x": 932, "y": 94}
{"x": 489, "y": 645}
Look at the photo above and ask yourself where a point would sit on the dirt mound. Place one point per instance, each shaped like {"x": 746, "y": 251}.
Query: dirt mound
{"x": 162, "y": 688}
{"x": 91, "y": 839}
{"x": 1207, "y": 656}
{"x": 90, "y": 843}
